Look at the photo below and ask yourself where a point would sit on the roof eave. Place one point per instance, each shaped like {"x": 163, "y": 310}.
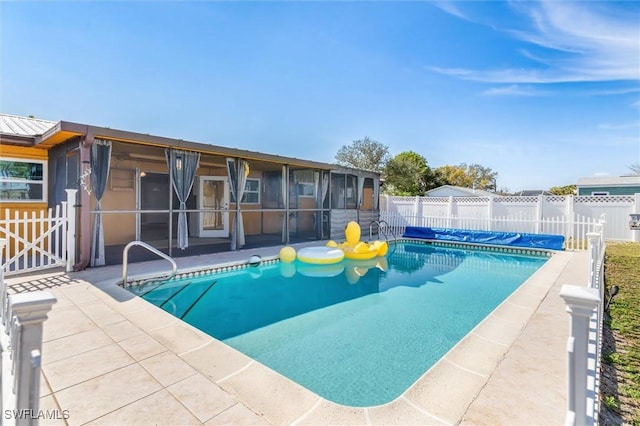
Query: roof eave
{"x": 17, "y": 139}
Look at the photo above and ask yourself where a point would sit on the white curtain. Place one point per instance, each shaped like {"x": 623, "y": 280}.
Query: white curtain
{"x": 243, "y": 172}
{"x": 325, "y": 186}
{"x": 360, "y": 190}
{"x": 284, "y": 203}
{"x": 182, "y": 166}
{"x": 237, "y": 171}
{"x": 376, "y": 193}
{"x": 100, "y": 163}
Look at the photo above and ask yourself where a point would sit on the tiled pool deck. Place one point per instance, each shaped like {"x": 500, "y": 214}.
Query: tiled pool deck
{"x": 110, "y": 358}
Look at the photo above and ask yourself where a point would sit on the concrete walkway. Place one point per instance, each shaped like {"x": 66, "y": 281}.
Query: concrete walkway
{"x": 112, "y": 358}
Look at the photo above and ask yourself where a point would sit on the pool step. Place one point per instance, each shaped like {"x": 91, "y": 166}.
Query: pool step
{"x": 183, "y": 300}
{"x": 195, "y": 302}
{"x": 160, "y": 294}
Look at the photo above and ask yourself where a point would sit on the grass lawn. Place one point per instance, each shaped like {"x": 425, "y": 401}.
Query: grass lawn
{"x": 620, "y": 385}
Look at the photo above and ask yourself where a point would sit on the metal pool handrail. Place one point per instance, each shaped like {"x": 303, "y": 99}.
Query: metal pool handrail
{"x": 380, "y": 223}
{"x": 125, "y": 259}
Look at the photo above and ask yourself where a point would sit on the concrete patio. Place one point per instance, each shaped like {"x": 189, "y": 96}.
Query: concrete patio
{"x": 112, "y": 358}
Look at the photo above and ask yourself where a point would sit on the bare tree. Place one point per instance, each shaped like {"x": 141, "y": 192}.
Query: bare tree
{"x": 365, "y": 154}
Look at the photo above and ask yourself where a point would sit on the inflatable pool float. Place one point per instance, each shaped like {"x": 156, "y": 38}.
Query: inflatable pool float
{"x": 320, "y": 255}
{"x": 320, "y": 271}
{"x": 364, "y": 251}
{"x": 359, "y": 250}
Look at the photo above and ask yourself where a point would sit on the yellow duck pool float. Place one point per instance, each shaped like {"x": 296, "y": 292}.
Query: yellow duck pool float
{"x": 355, "y": 249}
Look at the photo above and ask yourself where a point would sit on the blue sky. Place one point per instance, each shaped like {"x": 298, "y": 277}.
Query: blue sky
{"x": 541, "y": 92}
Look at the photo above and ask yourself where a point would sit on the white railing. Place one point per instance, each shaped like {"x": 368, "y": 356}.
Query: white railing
{"x": 574, "y": 228}
{"x": 22, "y": 317}
{"x": 40, "y": 241}
{"x": 585, "y": 304}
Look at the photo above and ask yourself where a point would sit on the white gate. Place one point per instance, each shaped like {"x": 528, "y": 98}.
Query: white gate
{"x": 41, "y": 241}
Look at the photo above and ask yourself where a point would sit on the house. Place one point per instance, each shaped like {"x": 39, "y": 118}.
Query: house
{"x": 182, "y": 197}
{"x": 609, "y": 185}
{"x": 531, "y": 193}
{"x": 458, "y": 191}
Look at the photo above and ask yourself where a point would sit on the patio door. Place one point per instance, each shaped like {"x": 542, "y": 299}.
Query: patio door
{"x": 213, "y": 193}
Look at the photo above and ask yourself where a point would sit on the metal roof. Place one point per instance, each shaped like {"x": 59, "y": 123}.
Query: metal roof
{"x": 23, "y": 126}
{"x": 609, "y": 180}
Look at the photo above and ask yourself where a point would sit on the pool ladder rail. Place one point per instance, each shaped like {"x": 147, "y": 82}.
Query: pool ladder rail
{"x": 125, "y": 260}
{"x": 383, "y": 227}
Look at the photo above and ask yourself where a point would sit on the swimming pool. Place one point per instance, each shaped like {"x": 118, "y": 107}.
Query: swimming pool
{"x": 357, "y": 334}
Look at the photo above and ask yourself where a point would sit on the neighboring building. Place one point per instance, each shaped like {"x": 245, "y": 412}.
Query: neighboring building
{"x": 177, "y": 195}
{"x": 458, "y": 191}
{"x": 609, "y": 185}
{"x": 531, "y": 193}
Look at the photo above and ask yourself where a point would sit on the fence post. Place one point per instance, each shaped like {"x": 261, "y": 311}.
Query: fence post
{"x": 581, "y": 302}
{"x": 594, "y": 255}
{"x": 30, "y": 310}
{"x": 569, "y": 216}
{"x": 635, "y": 235}
{"x": 3, "y": 292}
{"x": 450, "y": 212}
{"x": 71, "y": 228}
{"x": 539, "y": 214}
{"x": 417, "y": 212}
{"x": 490, "y": 214}
{"x": 3, "y": 313}
{"x": 602, "y": 221}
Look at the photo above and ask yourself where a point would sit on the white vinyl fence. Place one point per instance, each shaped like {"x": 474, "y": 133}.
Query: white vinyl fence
{"x": 572, "y": 217}
{"x": 39, "y": 241}
{"x": 586, "y": 306}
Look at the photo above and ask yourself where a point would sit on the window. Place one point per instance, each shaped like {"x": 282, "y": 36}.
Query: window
{"x": 304, "y": 182}
{"x": 22, "y": 180}
{"x": 251, "y": 192}
{"x": 306, "y": 189}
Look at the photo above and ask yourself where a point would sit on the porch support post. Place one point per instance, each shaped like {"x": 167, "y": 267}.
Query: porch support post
{"x": 84, "y": 203}
{"x": 286, "y": 203}
{"x": 71, "y": 228}
{"x": 581, "y": 303}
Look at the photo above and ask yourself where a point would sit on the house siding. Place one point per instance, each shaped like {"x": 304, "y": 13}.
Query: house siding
{"x": 612, "y": 190}
{"x": 9, "y": 210}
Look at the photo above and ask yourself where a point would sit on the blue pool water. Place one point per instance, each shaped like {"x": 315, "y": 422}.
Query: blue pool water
{"x": 356, "y": 333}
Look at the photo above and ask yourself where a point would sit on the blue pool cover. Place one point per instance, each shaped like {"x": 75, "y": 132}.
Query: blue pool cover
{"x": 514, "y": 239}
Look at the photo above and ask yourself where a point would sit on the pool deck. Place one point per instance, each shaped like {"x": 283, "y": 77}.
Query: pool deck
{"x": 112, "y": 358}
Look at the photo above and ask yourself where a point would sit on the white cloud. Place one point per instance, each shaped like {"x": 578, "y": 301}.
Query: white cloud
{"x": 513, "y": 90}
{"x": 586, "y": 42}
{"x": 451, "y": 8}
